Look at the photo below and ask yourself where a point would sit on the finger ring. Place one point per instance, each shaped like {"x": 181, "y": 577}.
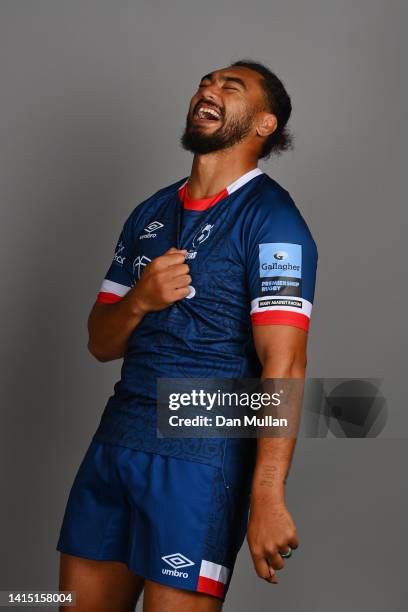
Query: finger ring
{"x": 286, "y": 555}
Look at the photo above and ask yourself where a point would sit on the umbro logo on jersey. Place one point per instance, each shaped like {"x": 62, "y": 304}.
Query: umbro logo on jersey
{"x": 118, "y": 257}
{"x": 202, "y": 235}
{"x": 177, "y": 561}
{"x": 152, "y": 227}
{"x": 139, "y": 264}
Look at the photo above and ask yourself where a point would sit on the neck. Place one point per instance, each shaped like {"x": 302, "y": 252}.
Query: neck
{"x": 212, "y": 172}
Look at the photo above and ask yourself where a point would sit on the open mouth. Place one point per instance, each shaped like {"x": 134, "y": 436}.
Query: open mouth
{"x": 205, "y": 113}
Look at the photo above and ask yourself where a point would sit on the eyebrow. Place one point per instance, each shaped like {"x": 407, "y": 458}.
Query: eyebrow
{"x": 237, "y": 80}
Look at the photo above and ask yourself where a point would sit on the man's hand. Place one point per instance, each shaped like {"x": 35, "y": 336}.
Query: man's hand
{"x": 164, "y": 281}
{"x": 271, "y": 530}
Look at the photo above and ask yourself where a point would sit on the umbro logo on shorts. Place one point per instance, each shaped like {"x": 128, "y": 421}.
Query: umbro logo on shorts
{"x": 177, "y": 560}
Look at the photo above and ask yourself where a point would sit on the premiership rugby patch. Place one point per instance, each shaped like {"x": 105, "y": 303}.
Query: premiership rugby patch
{"x": 280, "y": 269}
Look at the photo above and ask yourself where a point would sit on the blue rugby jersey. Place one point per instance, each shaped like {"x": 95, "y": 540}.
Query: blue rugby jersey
{"x": 252, "y": 260}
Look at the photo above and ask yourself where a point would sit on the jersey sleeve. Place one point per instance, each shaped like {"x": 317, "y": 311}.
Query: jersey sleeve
{"x": 281, "y": 266}
{"x": 119, "y": 277}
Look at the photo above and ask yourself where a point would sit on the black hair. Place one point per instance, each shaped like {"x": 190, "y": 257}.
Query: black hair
{"x": 278, "y": 102}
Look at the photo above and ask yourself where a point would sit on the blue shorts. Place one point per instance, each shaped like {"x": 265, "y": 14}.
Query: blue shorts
{"x": 177, "y": 522}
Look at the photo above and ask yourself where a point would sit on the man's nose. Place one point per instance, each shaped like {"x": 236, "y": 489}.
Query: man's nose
{"x": 211, "y": 95}
{"x": 212, "y": 90}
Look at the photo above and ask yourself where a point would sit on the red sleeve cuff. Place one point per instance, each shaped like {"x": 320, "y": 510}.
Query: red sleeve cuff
{"x": 281, "y": 317}
{"x": 104, "y": 297}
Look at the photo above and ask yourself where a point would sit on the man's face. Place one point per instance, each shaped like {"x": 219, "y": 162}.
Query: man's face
{"x": 223, "y": 110}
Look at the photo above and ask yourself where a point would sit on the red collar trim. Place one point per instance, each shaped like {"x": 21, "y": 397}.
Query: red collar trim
{"x": 201, "y": 204}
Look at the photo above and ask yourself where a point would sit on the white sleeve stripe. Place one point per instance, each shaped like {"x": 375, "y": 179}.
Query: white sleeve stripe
{"x": 288, "y": 303}
{"x": 115, "y": 288}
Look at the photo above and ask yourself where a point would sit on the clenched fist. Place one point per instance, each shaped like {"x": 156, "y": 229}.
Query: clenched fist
{"x": 271, "y": 530}
{"x": 164, "y": 281}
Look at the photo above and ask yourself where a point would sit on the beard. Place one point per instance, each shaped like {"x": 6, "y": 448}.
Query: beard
{"x": 228, "y": 134}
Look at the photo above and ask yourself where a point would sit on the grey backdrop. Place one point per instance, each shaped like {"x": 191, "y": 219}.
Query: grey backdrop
{"x": 93, "y": 99}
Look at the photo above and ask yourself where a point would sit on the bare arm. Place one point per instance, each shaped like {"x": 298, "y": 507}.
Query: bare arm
{"x": 110, "y": 325}
{"x": 163, "y": 282}
{"x": 282, "y": 352}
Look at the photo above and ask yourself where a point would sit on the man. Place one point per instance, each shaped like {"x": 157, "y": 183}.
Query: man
{"x": 197, "y": 288}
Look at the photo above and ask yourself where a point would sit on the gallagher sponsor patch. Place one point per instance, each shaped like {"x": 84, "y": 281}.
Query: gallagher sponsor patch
{"x": 280, "y": 268}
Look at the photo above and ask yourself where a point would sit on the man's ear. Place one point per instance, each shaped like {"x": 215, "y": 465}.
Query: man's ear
{"x": 267, "y": 124}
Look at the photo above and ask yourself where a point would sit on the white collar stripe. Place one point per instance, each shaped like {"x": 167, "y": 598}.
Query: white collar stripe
{"x": 244, "y": 179}
{"x": 239, "y": 182}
